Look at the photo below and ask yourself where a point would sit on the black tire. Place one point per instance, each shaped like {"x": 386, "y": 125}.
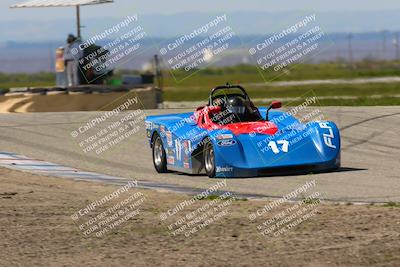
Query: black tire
{"x": 159, "y": 157}
{"x": 209, "y": 159}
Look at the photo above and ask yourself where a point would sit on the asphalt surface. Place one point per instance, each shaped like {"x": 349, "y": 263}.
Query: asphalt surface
{"x": 370, "y": 154}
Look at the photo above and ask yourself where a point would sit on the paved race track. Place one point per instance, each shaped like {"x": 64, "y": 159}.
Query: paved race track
{"x": 370, "y": 154}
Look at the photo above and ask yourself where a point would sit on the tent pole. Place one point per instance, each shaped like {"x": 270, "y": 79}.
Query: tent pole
{"x": 78, "y": 22}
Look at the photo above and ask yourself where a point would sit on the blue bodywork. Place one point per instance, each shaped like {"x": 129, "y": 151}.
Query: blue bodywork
{"x": 295, "y": 146}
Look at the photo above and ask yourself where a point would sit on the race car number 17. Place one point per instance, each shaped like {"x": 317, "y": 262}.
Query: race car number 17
{"x": 284, "y": 146}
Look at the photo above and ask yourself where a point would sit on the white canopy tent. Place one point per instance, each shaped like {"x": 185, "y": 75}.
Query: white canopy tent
{"x": 63, "y": 3}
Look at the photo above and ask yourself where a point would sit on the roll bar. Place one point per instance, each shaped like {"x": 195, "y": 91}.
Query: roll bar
{"x": 227, "y": 86}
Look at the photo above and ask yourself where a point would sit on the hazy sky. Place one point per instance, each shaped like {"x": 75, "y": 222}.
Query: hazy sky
{"x": 334, "y": 15}
{"x": 121, "y": 7}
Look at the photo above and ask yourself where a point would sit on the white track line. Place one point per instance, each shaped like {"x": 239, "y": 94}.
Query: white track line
{"x": 22, "y": 163}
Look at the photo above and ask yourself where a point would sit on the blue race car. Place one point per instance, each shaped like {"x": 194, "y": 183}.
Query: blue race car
{"x": 230, "y": 137}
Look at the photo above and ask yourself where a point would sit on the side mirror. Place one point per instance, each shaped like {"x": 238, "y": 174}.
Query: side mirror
{"x": 274, "y": 105}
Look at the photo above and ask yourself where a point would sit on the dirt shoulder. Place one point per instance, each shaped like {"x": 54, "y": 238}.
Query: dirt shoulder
{"x": 36, "y": 229}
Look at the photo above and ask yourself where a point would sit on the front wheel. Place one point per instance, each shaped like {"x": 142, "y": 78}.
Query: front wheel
{"x": 159, "y": 158}
{"x": 209, "y": 159}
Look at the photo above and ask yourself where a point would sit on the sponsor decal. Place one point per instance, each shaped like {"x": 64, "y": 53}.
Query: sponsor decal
{"x": 224, "y": 136}
{"x": 149, "y": 125}
{"x": 187, "y": 147}
{"x": 170, "y": 160}
{"x": 224, "y": 169}
{"x": 186, "y": 162}
{"x": 228, "y": 142}
{"x": 178, "y": 150}
{"x": 149, "y": 128}
{"x": 162, "y": 130}
{"x": 170, "y": 156}
{"x": 168, "y": 134}
{"x": 186, "y": 165}
{"x": 329, "y": 136}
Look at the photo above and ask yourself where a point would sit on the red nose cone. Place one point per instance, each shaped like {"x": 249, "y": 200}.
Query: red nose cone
{"x": 260, "y": 127}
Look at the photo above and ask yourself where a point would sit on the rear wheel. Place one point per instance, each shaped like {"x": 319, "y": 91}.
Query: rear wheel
{"x": 159, "y": 158}
{"x": 209, "y": 159}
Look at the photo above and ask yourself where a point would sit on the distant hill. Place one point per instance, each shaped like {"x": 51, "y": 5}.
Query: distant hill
{"x": 35, "y": 56}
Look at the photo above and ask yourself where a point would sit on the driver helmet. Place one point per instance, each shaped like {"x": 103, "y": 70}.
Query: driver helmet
{"x": 236, "y": 105}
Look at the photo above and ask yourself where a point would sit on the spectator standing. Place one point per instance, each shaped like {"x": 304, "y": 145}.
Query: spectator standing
{"x": 61, "y": 79}
{"x": 72, "y": 54}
